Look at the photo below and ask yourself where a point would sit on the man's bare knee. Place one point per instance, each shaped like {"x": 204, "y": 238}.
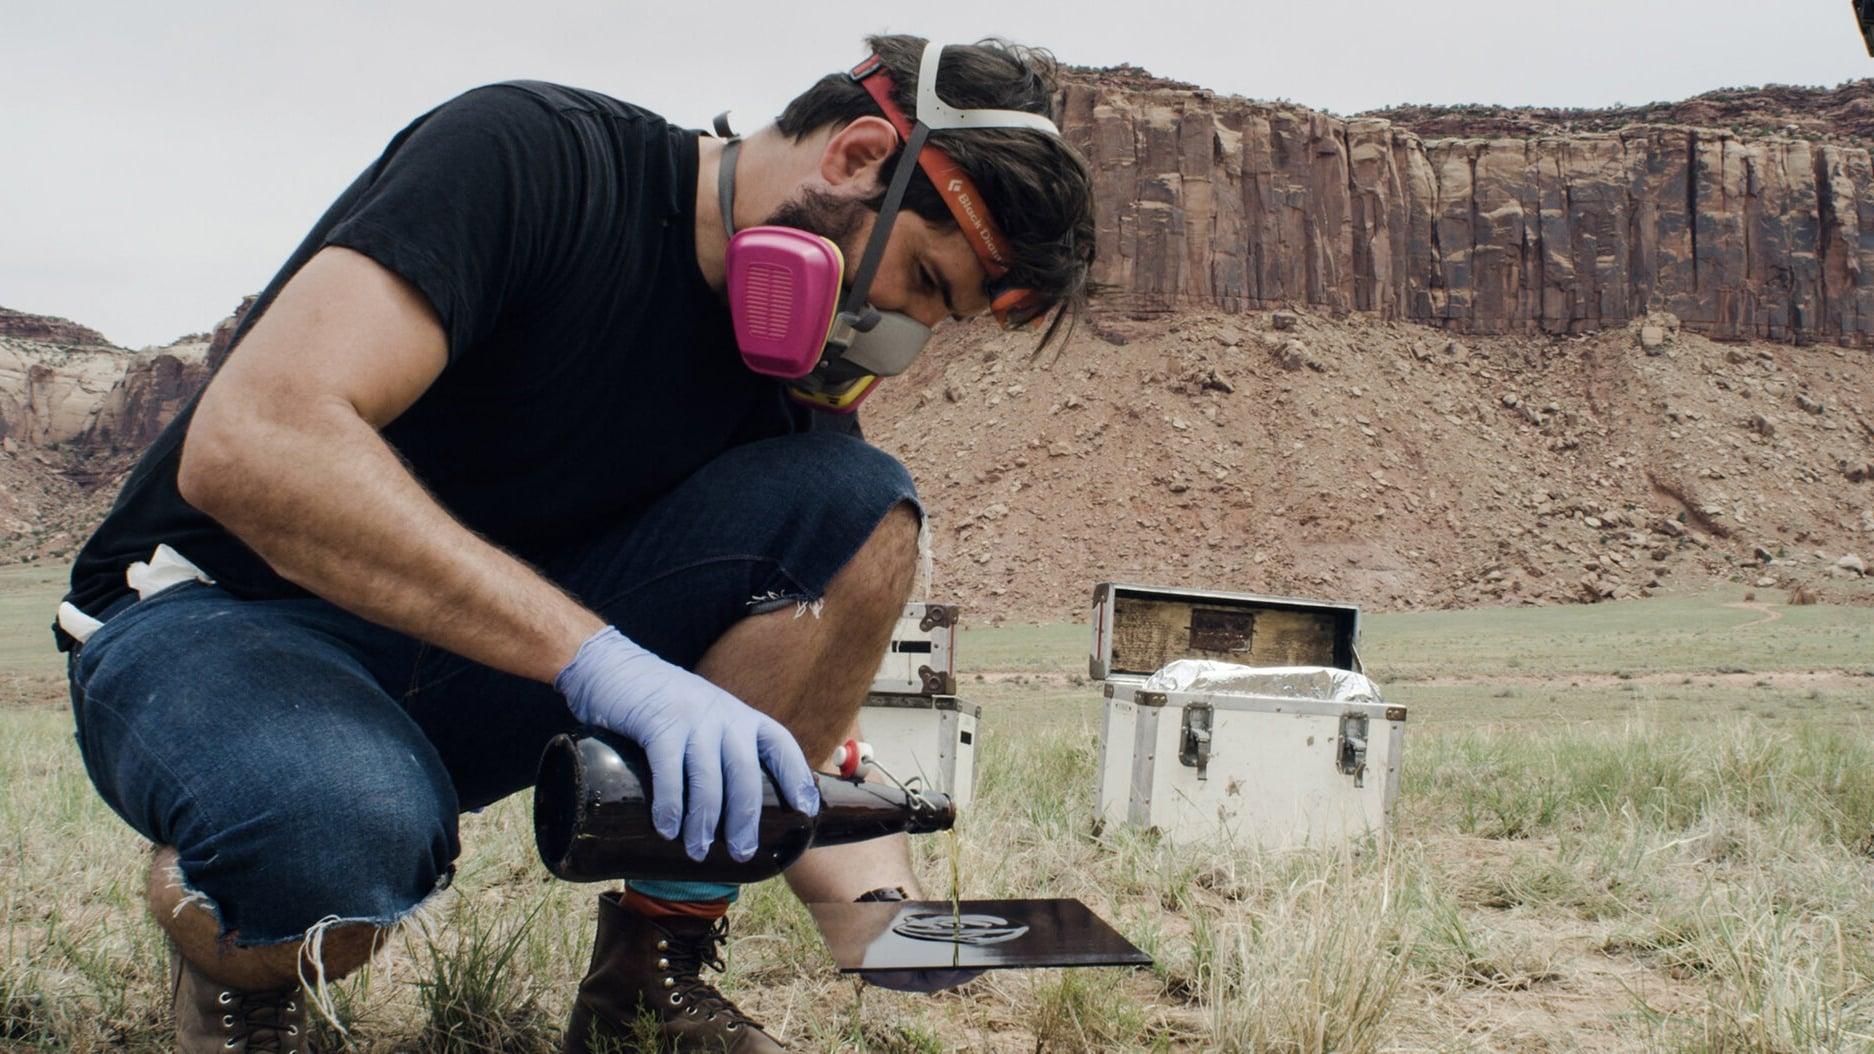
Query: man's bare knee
{"x": 192, "y": 927}
{"x": 811, "y": 674}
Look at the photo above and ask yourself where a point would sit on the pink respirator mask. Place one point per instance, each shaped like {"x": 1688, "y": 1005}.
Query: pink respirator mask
{"x": 785, "y": 284}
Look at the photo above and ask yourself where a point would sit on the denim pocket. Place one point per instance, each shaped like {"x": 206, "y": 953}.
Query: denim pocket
{"x": 117, "y": 618}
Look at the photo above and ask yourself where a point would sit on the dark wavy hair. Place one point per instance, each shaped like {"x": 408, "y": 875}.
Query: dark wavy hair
{"x": 1037, "y": 187}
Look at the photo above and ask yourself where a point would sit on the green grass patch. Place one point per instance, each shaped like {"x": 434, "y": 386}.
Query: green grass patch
{"x": 1059, "y": 646}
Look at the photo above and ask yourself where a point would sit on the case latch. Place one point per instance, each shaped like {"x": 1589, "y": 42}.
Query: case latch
{"x": 1194, "y": 742}
{"x": 936, "y": 682}
{"x": 1353, "y": 747}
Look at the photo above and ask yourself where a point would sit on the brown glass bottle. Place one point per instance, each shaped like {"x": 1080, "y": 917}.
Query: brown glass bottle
{"x": 592, "y": 818}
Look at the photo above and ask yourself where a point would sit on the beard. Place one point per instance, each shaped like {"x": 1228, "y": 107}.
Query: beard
{"x": 817, "y": 212}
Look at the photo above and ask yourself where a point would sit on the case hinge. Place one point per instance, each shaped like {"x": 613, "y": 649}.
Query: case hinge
{"x": 1194, "y": 741}
{"x": 1353, "y": 747}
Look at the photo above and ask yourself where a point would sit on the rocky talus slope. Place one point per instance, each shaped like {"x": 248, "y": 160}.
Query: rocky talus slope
{"x": 1377, "y": 461}
{"x": 1504, "y": 227}
{"x": 1383, "y": 462}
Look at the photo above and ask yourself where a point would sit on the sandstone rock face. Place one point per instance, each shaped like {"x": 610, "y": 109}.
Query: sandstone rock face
{"x": 151, "y": 391}
{"x": 65, "y": 386}
{"x": 49, "y": 393}
{"x": 1205, "y": 200}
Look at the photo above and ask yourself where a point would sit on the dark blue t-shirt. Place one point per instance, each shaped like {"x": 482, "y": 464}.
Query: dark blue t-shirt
{"x": 590, "y": 367}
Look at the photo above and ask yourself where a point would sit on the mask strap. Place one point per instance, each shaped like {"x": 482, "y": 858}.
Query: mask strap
{"x": 858, "y": 315}
{"x": 725, "y": 183}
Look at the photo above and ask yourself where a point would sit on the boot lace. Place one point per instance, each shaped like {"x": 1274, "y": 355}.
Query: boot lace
{"x": 267, "y": 1021}
{"x": 687, "y": 955}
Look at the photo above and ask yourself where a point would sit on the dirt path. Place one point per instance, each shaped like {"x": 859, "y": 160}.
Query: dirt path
{"x": 1769, "y": 613}
{"x": 1805, "y": 678}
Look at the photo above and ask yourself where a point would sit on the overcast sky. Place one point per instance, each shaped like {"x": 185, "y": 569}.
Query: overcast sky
{"x": 159, "y": 160}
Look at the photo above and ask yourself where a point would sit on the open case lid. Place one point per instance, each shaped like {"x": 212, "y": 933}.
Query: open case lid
{"x": 1139, "y": 629}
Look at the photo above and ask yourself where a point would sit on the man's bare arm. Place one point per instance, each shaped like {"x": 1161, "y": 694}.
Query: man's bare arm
{"x": 284, "y": 452}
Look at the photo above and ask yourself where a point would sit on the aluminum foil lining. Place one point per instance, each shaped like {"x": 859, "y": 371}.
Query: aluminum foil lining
{"x": 1323, "y": 683}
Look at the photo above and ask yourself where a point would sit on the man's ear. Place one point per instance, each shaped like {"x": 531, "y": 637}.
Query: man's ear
{"x": 854, "y": 158}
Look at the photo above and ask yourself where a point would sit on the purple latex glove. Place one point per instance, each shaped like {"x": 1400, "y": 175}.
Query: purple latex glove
{"x": 706, "y": 747}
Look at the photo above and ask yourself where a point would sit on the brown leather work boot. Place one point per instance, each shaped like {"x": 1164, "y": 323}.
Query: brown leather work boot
{"x": 644, "y": 991}
{"x": 211, "y": 1019}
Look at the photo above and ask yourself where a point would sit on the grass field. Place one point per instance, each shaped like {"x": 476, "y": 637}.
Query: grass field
{"x": 29, "y": 665}
{"x": 1637, "y": 826}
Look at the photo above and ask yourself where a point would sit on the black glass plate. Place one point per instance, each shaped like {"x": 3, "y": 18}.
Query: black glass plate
{"x": 978, "y": 935}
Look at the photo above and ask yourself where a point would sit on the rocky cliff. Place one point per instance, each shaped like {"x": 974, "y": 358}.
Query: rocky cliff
{"x": 44, "y": 329}
{"x": 1844, "y": 113}
{"x": 1207, "y": 200}
{"x": 1592, "y": 439}
{"x": 75, "y": 411}
{"x": 64, "y": 387}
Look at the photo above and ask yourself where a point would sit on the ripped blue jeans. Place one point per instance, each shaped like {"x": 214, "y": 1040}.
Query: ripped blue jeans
{"x": 308, "y": 765}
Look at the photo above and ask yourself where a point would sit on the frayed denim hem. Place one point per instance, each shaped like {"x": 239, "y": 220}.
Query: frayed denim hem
{"x": 424, "y": 914}
{"x": 194, "y": 896}
{"x": 810, "y": 602}
{"x": 774, "y": 600}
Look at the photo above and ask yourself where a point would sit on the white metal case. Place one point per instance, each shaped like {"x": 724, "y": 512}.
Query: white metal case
{"x": 1297, "y": 750}
{"x": 932, "y": 738}
{"x": 922, "y": 656}
{"x": 1275, "y": 772}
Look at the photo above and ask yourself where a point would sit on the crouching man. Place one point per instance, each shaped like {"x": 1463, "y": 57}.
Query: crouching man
{"x": 494, "y": 457}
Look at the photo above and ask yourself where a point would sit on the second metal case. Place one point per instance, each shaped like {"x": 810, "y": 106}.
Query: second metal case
{"x": 932, "y": 738}
{"x": 917, "y": 726}
{"x": 1295, "y": 749}
{"x": 1272, "y": 770}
